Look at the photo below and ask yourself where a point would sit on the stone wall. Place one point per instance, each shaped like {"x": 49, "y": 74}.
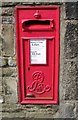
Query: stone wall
{"x": 68, "y": 71}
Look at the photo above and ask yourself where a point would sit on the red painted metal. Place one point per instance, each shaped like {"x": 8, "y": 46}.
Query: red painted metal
{"x": 38, "y": 83}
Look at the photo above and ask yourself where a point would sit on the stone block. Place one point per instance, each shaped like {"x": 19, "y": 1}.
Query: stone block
{"x": 14, "y": 115}
{"x": 7, "y": 11}
{"x": 11, "y": 107}
{"x": 24, "y": 118}
{"x": 71, "y": 10}
{"x": 66, "y": 110}
{"x": 8, "y": 42}
{"x": 3, "y": 61}
{"x": 9, "y": 72}
{"x": 0, "y": 72}
{"x": 8, "y": 19}
{"x": 0, "y": 84}
{"x": 77, "y": 89}
{"x": 77, "y": 110}
{"x": 1, "y": 46}
{"x": 69, "y": 79}
{"x": 9, "y": 4}
{"x": 71, "y": 40}
{"x": 10, "y": 90}
{"x": 16, "y": 118}
{"x": 69, "y": 110}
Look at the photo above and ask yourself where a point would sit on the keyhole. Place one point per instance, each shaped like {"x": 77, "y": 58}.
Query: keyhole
{"x": 28, "y": 68}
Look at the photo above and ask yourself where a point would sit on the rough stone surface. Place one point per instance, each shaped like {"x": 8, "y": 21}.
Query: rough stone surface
{"x": 7, "y": 11}
{"x": 8, "y": 19}
{"x": 71, "y": 40}
{"x": 0, "y": 86}
{"x": 10, "y": 89}
{"x": 71, "y": 10}
{"x": 34, "y": 111}
{"x": 76, "y": 109}
{"x": 3, "y": 61}
{"x": 10, "y": 4}
{"x": 70, "y": 72}
{"x": 77, "y": 88}
{"x": 1, "y": 46}
{"x": 66, "y": 110}
{"x": 0, "y": 72}
{"x": 24, "y": 118}
{"x": 9, "y": 71}
{"x": 70, "y": 64}
{"x": 8, "y": 42}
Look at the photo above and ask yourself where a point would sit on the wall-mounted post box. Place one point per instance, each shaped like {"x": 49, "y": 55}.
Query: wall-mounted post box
{"x": 37, "y": 42}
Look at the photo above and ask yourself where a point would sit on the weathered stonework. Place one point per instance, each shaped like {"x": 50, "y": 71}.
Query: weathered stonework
{"x": 76, "y": 109}
{"x": 9, "y": 72}
{"x": 3, "y": 61}
{"x": 71, "y": 10}
{"x": 8, "y": 39}
{"x": 10, "y": 89}
{"x": 7, "y": 11}
{"x": 1, "y": 46}
{"x": 71, "y": 42}
{"x": 77, "y": 88}
{"x": 70, "y": 72}
{"x": 68, "y": 69}
{"x": 8, "y": 19}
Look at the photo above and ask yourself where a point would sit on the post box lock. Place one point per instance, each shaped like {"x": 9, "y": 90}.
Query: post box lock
{"x": 37, "y": 43}
{"x": 28, "y": 68}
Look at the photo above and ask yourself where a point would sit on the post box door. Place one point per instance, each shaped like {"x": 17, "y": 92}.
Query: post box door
{"x": 38, "y": 54}
{"x": 39, "y": 67}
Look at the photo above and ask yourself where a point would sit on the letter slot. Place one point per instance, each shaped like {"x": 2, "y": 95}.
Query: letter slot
{"x": 38, "y": 25}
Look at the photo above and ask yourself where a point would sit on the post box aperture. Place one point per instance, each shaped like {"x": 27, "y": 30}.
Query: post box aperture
{"x": 37, "y": 47}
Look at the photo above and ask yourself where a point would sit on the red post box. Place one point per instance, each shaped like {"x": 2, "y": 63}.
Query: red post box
{"x": 37, "y": 42}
